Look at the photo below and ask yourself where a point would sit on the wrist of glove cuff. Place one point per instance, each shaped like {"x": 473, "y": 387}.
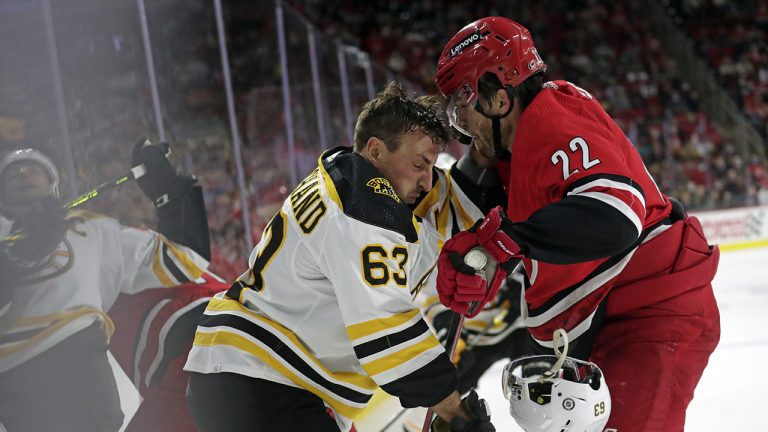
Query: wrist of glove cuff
{"x": 492, "y": 237}
{"x": 174, "y": 192}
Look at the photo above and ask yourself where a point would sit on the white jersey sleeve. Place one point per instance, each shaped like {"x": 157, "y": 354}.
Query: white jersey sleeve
{"x": 150, "y": 260}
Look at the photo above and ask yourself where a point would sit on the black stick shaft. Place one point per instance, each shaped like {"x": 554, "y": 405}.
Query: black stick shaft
{"x": 134, "y": 173}
{"x": 454, "y": 334}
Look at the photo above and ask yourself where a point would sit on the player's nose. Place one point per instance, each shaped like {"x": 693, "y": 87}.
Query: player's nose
{"x": 425, "y": 182}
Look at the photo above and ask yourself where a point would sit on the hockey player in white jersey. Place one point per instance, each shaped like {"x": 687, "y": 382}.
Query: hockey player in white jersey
{"x": 326, "y": 314}
{"x": 68, "y": 268}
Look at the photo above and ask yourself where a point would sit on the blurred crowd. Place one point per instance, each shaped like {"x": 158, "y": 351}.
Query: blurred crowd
{"x": 597, "y": 45}
{"x": 600, "y": 47}
{"x": 742, "y": 63}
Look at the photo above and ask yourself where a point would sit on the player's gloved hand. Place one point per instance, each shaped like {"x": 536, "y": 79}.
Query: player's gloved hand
{"x": 160, "y": 183}
{"x": 37, "y": 233}
{"x": 458, "y": 286}
{"x": 480, "y": 421}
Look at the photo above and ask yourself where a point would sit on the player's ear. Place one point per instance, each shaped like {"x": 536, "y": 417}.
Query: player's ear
{"x": 501, "y": 102}
{"x": 373, "y": 150}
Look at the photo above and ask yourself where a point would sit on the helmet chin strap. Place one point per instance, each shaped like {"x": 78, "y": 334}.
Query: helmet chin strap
{"x": 559, "y": 335}
{"x": 498, "y": 148}
{"x": 496, "y": 127}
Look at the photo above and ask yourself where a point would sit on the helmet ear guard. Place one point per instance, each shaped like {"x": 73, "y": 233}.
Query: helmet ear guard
{"x": 554, "y": 393}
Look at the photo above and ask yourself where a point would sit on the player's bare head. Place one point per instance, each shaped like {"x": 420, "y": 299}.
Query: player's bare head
{"x": 435, "y": 101}
{"x": 392, "y": 114}
{"x": 402, "y": 138}
{"x": 26, "y": 176}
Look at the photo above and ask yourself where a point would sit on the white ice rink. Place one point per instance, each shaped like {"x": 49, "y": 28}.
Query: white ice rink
{"x": 734, "y": 389}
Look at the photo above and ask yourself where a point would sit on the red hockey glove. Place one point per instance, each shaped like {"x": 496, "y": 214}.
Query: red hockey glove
{"x": 459, "y": 286}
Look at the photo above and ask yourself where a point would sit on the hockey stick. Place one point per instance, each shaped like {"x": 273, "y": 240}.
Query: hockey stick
{"x": 134, "y": 173}
{"x": 478, "y": 259}
{"x": 454, "y": 334}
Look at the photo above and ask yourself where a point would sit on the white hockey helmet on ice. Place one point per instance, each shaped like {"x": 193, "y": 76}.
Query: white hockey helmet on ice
{"x": 33, "y": 155}
{"x": 556, "y": 393}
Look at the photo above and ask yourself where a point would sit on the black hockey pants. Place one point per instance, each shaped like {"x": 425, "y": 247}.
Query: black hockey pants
{"x": 226, "y": 402}
{"x": 70, "y": 387}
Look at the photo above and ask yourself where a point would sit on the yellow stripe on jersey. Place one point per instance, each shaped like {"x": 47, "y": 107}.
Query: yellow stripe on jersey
{"x": 189, "y": 267}
{"x": 428, "y": 201}
{"x": 86, "y": 214}
{"x": 58, "y": 320}
{"x": 400, "y": 357}
{"x": 462, "y": 214}
{"x": 355, "y": 379}
{"x": 359, "y": 330}
{"x": 442, "y": 221}
{"x": 330, "y": 187}
{"x": 243, "y": 344}
{"x": 466, "y": 221}
{"x": 159, "y": 268}
{"x": 422, "y": 282}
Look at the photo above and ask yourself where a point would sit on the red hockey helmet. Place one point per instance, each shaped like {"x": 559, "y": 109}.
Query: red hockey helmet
{"x": 493, "y": 44}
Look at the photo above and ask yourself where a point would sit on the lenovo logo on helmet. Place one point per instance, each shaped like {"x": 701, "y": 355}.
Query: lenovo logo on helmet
{"x": 469, "y": 40}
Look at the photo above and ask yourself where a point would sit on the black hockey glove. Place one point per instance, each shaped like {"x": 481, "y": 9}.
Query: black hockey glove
{"x": 37, "y": 233}
{"x": 160, "y": 183}
{"x": 480, "y": 422}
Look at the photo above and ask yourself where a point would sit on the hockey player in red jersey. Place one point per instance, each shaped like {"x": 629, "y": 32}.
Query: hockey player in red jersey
{"x": 153, "y": 334}
{"x": 608, "y": 257}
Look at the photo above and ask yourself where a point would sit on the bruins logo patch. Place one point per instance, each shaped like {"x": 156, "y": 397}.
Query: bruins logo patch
{"x": 381, "y": 185}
